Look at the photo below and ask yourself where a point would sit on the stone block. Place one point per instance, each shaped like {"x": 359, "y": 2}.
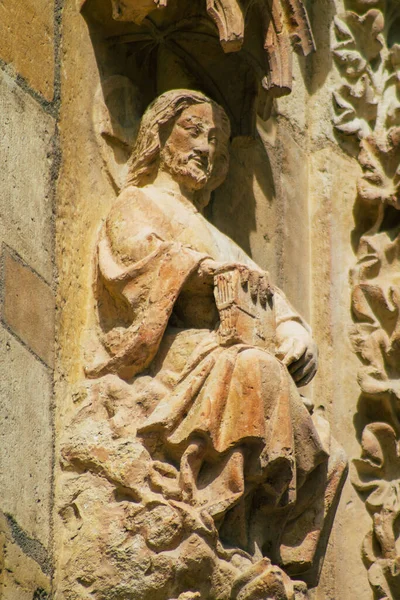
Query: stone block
{"x": 244, "y": 207}
{"x": 332, "y": 193}
{"x": 28, "y": 308}
{"x": 294, "y": 225}
{"x": 31, "y": 50}
{"x": 20, "y": 576}
{"x": 25, "y": 158}
{"x": 25, "y": 438}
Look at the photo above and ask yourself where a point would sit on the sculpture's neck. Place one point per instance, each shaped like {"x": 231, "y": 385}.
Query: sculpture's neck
{"x": 164, "y": 181}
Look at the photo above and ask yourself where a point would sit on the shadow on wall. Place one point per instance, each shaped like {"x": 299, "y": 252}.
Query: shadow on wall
{"x": 233, "y": 207}
{"x": 318, "y": 66}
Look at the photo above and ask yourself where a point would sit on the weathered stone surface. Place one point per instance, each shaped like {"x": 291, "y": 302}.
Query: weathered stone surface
{"x": 25, "y": 156}
{"x": 294, "y": 222}
{"x": 28, "y": 307}
{"x": 367, "y": 109}
{"x": 25, "y": 438}
{"x": 288, "y": 201}
{"x": 333, "y": 180}
{"x": 31, "y": 50}
{"x": 21, "y": 578}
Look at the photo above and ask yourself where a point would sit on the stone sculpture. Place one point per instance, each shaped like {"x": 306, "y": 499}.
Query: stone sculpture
{"x": 192, "y": 466}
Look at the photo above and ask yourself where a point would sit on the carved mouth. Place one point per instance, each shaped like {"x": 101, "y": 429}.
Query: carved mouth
{"x": 200, "y": 162}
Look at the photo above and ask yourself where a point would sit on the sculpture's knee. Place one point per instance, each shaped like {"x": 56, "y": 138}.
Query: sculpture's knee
{"x": 252, "y": 356}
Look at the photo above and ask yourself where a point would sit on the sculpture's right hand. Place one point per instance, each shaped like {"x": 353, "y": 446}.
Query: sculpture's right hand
{"x": 297, "y": 351}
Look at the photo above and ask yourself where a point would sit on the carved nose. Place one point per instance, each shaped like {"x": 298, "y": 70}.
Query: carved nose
{"x": 202, "y": 150}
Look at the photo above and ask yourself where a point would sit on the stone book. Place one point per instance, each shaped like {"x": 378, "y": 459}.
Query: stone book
{"x": 244, "y": 318}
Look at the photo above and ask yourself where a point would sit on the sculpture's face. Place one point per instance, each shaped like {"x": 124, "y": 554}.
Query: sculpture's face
{"x": 196, "y": 147}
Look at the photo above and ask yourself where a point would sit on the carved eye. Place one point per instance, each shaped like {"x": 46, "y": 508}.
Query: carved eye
{"x": 195, "y": 131}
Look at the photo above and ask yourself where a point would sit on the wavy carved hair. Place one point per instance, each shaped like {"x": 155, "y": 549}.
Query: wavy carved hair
{"x": 162, "y": 112}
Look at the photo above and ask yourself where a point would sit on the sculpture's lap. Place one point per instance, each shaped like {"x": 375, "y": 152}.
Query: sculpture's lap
{"x": 230, "y": 395}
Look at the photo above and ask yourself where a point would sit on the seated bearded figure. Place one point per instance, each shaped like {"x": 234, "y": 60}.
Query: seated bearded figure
{"x": 214, "y": 354}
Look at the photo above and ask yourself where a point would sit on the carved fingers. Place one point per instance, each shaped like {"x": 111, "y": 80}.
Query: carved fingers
{"x": 257, "y": 283}
{"x": 304, "y": 369}
{"x": 300, "y": 355}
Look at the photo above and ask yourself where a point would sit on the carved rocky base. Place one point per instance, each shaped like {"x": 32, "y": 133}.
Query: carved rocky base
{"x": 130, "y": 530}
{"x": 119, "y": 548}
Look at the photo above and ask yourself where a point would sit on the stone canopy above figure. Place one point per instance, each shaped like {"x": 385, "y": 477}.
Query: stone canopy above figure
{"x": 205, "y": 457}
{"x": 237, "y": 51}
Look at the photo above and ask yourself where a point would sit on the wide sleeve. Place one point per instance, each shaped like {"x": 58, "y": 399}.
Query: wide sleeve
{"x": 135, "y": 293}
{"x": 284, "y": 311}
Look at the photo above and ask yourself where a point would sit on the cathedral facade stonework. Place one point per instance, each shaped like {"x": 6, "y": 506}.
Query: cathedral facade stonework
{"x": 200, "y": 300}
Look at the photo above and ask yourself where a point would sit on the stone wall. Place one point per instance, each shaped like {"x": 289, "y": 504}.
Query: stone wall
{"x": 288, "y": 202}
{"x": 29, "y": 157}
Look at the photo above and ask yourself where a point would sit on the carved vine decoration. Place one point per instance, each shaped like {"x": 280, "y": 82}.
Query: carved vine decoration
{"x": 367, "y": 107}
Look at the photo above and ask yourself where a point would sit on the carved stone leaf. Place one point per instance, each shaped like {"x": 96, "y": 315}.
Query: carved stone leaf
{"x": 356, "y": 106}
{"x": 378, "y": 470}
{"x": 394, "y": 56}
{"x": 351, "y": 61}
{"x": 394, "y": 103}
{"x": 380, "y": 161}
{"x": 343, "y": 33}
{"x": 393, "y": 113}
{"x": 359, "y": 40}
{"x": 384, "y": 579}
{"x": 366, "y": 58}
{"x": 376, "y": 437}
{"x": 367, "y": 30}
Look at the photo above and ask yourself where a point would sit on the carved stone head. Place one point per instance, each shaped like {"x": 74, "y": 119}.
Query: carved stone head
{"x": 186, "y": 134}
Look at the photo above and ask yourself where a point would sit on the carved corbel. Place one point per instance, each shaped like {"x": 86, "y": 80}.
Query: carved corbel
{"x": 298, "y": 26}
{"x": 277, "y": 46}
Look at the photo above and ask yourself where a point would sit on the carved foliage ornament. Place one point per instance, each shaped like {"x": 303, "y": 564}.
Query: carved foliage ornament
{"x": 367, "y": 107}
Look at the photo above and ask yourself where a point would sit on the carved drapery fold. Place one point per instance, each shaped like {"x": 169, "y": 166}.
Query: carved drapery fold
{"x": 367, "y": 107}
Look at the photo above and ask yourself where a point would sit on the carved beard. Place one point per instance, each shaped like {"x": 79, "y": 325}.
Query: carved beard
{"x": 184, "y": 169}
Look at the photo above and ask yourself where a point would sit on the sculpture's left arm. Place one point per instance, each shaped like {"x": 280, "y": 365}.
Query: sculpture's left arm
{"x": 295, "y": 345}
